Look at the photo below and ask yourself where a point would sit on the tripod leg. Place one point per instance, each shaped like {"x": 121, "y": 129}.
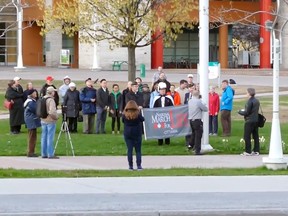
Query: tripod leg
{"x": 70, "y": 141}
{"x": 57, "y": 141}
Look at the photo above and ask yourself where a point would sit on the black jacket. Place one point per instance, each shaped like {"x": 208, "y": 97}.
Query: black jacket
{"x": 251, "y": 110}
{"x": 138, "y": 98}
{"x": 43, "y": 92}
{"x": 113, "y": 102}
{"x": 102, "y": 98}
{"x": 168, "y": 101}
{"x": 133, "y": 128}
{"x": 72, "y": 101}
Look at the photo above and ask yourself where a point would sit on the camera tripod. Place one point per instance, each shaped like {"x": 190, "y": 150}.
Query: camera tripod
{"x": 65, "y": 129}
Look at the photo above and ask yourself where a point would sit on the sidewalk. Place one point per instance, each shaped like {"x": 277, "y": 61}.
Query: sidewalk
{"x": 120, "y": 162}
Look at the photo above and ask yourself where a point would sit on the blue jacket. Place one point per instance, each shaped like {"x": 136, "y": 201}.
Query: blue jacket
{"x": 86, "y": 94}
{"x": 31, "y": 120}
{"x": 227, "y": 99}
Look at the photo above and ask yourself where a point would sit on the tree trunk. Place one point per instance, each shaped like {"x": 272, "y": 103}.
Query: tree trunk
{"x": 131, "y": 64}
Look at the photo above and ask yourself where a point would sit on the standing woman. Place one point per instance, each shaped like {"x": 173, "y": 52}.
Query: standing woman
{"x": 32, "y": 121}
{"x": 17, "y": 110}
{"x": 72, "y": 106}
{"x": 132, "y": 120}
{"x": 115, "y": 107}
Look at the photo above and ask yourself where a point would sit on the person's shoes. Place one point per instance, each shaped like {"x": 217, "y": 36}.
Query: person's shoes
{"x": 245, "y": 154}
{"x": 210, "y": 134}
{"x": 44, "y": 157}
{"x": 113, "y": 132}
{"x": 198, "y": 153}
{"x": 131, "y": 168}
{"x": 118, "y": 132}
{"x": 255, "y": 153}
{"x": 139, "y": 168}
{"x": 189, "y": 147}
{"x": 53, "y": 157}
{"x": 214, "y": 134}
{"x": 14, "y": 132}
{"x": 32, "y": 155}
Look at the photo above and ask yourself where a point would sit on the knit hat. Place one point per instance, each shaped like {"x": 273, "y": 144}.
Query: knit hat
{"x": 31, "y": 91}
{"x": 72, "y": 85}
{"x": 50, "y": 89}
{"x": 49, "y": 78}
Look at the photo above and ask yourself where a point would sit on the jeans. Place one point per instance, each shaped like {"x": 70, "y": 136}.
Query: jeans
{"x": 131, "y": 143}
{"x": 101, "y": 119}
{"x": 213, "y": 124}
{"x": 47, "y": 139}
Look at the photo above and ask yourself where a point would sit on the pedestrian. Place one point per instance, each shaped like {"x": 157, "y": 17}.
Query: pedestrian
{"x": 157, "y": 74}
{"x": 153, "y": 94}
{"x": 214, "y": 105}
{"x": 48, "y": 125}
{"x": 71, "y": 107}
{"x": 226, "y": 107}
{"x": 190, "y": 79}
{"x": 88, "y": 101}
{"x": 250, "y": 113}
{"x": 16, "y": 113}
{"x": 146, "y": 95}
{"x": 163, "y": 78}
{"x": 63, "y": 88}
{"x": 18, "y": 85}
{"x": 182, "y": 90}
{"x": 102, "y": 105}
{"x": 138, "y": 80}
{"x": 132, "y": 120}
{"x": 49, "y": 82}
{"x": 195, "y": 109}
{"x": 115, "y": 107}
{"x": 163, "y": 100}
{"x": 124, "y": 92}
{"x": 175, "y": 95}
{"x": 32, "y": 121}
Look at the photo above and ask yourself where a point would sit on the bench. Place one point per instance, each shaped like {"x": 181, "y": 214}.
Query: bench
{"x": 117, "y": 65}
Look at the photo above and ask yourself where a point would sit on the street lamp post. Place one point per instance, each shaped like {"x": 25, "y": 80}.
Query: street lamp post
{"x": 275, "y": 159}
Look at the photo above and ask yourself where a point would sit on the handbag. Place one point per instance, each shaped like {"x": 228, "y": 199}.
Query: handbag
{"x": 261, "y": 119}
{"x": 80, "y": 117}
{"x": 8, "y": 104}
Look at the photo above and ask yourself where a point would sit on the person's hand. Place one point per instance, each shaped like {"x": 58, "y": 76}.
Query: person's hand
{"x": 112, "y": 111}
{"x": 216, "y": 113}
{"x": 140, "y": 107}
{"x": 92, "y": 100}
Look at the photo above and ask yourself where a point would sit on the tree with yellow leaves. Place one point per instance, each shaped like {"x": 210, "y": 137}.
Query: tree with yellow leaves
{"x": 127, "y": 23}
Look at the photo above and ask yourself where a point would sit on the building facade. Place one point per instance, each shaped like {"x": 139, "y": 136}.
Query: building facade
{"x": 182, "y": 53}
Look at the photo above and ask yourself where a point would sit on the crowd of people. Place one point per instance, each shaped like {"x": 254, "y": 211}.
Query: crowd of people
{"x": 94, "y": 104}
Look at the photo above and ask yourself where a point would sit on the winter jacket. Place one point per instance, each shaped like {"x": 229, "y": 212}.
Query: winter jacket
{"x": 214, "y": 103}
{"x": 227, "y": 99}
{"x": 86, "y": 94}
{"x": 137, "y": 97}
{"x": 146, "y": 99}
{"x": 72, "y": 103}
{"x": 102, "y": 98}
{"x": 115, "y": 103}
{"x": 31, "y": 120}
{"x": 176, "y": 98}
{"x": 43, "y": 92}
{"x": 133, "y": 128}
{"x": 62, "y": 91}
{"x": 51, "y": 110}
{"x": 251, "y": 110}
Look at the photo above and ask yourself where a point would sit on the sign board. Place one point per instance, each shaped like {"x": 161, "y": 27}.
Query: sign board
{"x": 65, "y": 56}
{"x": 213, "y": 70}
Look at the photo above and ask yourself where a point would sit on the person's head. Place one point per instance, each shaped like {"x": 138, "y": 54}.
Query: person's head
{"x": 212, "y": 89}
{"x": 183, "y": 84}
{"x": 88, "y": 82}
{"x": 138, "y": 80}
{"x": 224, "y": 84}
{"x": 11, "y": 83}
{"x": 172, "y": 88}
{"x": 251, "y": 92}
{"x": 103, "y": 83}
{"x": 162, "y": 88}
{"x": 72, "y": 86}
{"x": 17, "y": 80}
{"x": 115, "y": 87}
{"x": 191, "y": 87}
{"x": 196, "y": 94}
{"x": 134, "y": 87}
{"x": 155, "y": 86}
{"x": 51, "y": 91}
{"x": 162, "y": 76}
{"x": 145, "y": 88}
{"x": 160, "y": 69}
{"x": 29, "y": 86}
{"x": 32, "y": 93}
{"x": 131, "y": 110}
{"x": 66, "y": 80}
{"x": 129, "y": 85}
{"x": 190, "y": 78}
{"x": 49, "y": 80}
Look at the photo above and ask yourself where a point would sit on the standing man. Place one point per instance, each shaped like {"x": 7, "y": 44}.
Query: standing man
{"x": 250, "y": 114}
{"x": 190, "y": 79}
{"x": 135, "y": 95}
{"x": 48, "y": 125}
{"x": 102, "y": 105}
{"x": 195, "y": 109}
{"x": 18, "y": 85}
{"x": 163, "y": 100}
{"x": 156, "y": 75}
{"x": 226, "y": 107}
{"x": 182, "y": 90}
{"x": 49, "y": 82}
{"x": 88, "y": 99}
{"x": 214, "y": 104}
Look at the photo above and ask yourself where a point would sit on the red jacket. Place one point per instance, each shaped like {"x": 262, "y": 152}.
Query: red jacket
{"x": 176, "y": 98}
{"x": 214, "y": 104}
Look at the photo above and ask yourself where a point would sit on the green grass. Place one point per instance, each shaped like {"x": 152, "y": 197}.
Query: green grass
{"x": 12, "y": 173}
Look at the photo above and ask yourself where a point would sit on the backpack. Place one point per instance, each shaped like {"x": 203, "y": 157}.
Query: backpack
{"x": 41, "y": 109}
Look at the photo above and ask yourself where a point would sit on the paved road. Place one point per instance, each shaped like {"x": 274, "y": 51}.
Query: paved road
{"x": 251, "y": 195}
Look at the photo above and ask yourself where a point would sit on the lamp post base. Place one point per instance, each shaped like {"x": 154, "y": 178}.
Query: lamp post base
{"x": 206, "y": 148}
{"x": 275, "y": 163}
{"x": 97, "y": 69}
{"x": 19, "y": 69}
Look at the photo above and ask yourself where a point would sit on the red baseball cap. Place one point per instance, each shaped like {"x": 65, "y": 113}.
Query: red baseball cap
{"x": 49, "y": 78}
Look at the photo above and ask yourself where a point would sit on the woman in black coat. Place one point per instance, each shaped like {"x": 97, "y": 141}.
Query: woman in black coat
{"x": 71, "y": 107}
{"x": 17, "y": 110}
